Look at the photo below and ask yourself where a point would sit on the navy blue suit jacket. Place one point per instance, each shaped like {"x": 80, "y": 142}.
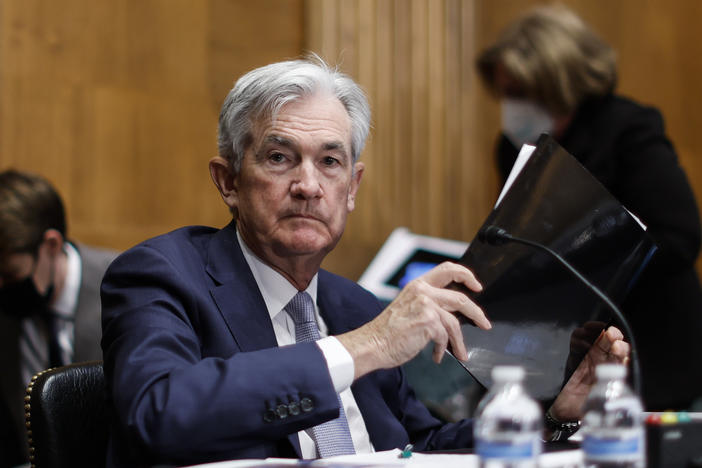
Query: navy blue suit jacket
{"x": 194, "y": 371}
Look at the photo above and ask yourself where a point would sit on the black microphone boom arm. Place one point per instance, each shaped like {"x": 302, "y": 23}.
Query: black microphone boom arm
{"x": 495, "y": 235}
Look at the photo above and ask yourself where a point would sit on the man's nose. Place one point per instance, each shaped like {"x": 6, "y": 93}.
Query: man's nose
{"x": 306, "y": 183}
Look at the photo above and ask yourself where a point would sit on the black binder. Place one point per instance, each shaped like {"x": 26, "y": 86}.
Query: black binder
{"x": 534, "y": 304}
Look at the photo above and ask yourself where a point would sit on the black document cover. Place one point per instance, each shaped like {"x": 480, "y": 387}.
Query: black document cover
{"x": 533, "y": 302}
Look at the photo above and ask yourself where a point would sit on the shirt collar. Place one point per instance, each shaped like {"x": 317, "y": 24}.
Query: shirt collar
{"x": 65, "y": 305}
{"x": 275, "y": 289}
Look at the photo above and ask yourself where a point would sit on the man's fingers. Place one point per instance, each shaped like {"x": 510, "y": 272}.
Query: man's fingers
{"x": 425, "y": 311}
{"x": 449, "y": 300}
{"x": 444, "y": 329}
{"x": 614, "y": 334}
{"x": 620, "y": 350}
{"x": 448, "y": 272}
{"x": 602, "y": 343}
{"x": 607, "y": 337}
{"x": 439, "y": 335}
{"x": 454, "y": 301}
{"x": 455, "y": 337}
{"x": 611, "y": 345}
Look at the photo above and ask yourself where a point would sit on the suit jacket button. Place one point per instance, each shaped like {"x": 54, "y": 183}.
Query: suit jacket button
{"x": 294, "y": 408}
{"x": 306, "y": 405}
{"x": 282, "y": 411}
{"x": 269, "y": 415}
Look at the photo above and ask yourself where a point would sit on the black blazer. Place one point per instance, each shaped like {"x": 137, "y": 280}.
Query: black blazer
{"x": 86, "y": 347}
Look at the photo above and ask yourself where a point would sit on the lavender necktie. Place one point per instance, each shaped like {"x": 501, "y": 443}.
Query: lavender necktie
{"x": 332, "y": 437}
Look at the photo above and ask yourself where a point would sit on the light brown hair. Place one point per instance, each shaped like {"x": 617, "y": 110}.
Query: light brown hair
{"x": 557, "y": 60}
{"x": 29, "y": 206}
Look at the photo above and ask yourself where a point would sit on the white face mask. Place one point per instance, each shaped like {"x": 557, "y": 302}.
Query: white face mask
{"x": 523, "y": 121}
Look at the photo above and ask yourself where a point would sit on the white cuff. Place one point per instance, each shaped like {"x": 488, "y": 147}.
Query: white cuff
{"x": 339, "y": 362}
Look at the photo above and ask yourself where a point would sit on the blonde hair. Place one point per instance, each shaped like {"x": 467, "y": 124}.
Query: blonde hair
{"x": 557, "y": 60}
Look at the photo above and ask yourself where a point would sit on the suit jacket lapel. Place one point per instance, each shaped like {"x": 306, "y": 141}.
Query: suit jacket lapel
{"x": 86, "y": 347}
{"x": 239, "y": 300}
{"x": 236, "y": 293}
{"x": 339, "y": 316}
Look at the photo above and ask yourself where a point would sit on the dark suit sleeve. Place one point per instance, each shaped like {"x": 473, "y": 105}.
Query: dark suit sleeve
{"x": 651, "y": 184}
{"x": 173, "y": 397}
{"x": 395, "y": 417}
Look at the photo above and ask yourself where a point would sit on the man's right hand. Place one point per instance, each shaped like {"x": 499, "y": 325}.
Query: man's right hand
{"x": 423, "y": 311}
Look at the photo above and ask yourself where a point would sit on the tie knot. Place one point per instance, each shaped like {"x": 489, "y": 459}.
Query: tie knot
{"x": 301, "y": 308}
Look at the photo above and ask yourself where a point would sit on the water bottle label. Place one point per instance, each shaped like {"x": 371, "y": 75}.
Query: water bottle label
{"x": 506, "y": 450}
{"x": 604, "y": 448}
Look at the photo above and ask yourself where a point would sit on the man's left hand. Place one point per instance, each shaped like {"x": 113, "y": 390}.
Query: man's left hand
{"x": 609, "y": 347}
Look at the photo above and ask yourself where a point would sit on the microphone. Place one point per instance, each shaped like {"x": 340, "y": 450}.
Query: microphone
{"x": 495, "y": 235}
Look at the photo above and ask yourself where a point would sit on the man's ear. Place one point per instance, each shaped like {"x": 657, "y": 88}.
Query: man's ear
{"x": 225, "y": 181}
{"x": 355, "y": 182}
{"x": 53, "y": 240}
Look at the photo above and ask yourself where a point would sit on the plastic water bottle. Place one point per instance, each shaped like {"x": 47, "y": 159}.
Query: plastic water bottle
{"x": 509, "y": 423}
{"x": 613, "y": 425}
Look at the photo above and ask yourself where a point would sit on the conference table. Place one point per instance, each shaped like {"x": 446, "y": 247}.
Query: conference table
{"x": 396, "y": 458}
{"x": 673, "y": 440}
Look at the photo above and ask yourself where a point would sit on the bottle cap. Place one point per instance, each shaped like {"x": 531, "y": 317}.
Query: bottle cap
{"x": 610, "y": 371}
{"x": 507, "y": 373}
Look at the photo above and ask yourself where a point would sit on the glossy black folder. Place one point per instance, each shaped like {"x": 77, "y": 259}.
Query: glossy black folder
{"x": 535, "y": 304}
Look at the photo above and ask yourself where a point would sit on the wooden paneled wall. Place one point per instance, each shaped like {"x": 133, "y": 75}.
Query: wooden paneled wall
{"x": 425, "y": 168}
{"x": 117, "y": 102}
{"x": 430, "y": 157}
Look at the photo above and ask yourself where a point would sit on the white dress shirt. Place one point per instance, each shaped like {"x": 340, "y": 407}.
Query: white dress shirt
{"x": 277, "y": 293}
{"x": 33, "y": 341}
{"x": 67, "y": 302}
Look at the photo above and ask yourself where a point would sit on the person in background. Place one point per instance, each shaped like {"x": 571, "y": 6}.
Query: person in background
{"x": 49, "y": 298}
{"x": 233, "y": 343}
{"x": 554, "y": 75}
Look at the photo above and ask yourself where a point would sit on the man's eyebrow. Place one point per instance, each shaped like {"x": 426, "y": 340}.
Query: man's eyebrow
{"x": 334, "y": 145}
{"x": 279, "y": 140}
{"x": 282, "y": 141}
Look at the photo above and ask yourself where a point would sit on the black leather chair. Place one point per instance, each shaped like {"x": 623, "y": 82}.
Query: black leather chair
{"x": 68, "y": 416}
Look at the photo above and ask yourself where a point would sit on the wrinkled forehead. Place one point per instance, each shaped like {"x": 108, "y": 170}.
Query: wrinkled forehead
{"x": 320, "y": 116}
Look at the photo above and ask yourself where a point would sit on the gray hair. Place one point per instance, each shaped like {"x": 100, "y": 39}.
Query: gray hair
{"x": 264, "y": 91}
{"x": 554, "y": 56}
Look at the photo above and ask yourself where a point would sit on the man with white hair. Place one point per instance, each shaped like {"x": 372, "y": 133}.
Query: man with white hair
{"x": 233, "y": 343}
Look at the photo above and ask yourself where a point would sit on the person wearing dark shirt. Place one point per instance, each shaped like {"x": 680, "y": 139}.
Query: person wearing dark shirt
{"x": 49, "y": 298}
{"x": 554, "y": 75}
